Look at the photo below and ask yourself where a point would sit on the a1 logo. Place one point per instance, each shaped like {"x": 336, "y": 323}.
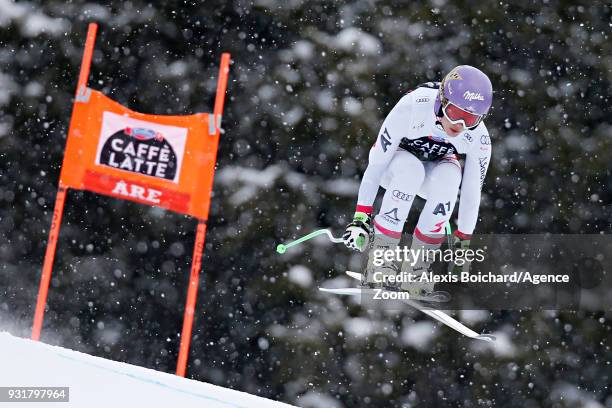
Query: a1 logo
{"x": 385, "y": 142}
{"x": 440, "y": 210}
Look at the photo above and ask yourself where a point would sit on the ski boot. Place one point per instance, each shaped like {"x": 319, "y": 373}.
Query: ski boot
{"x": 374, "y": 275}
{"x": 422, "y": 290}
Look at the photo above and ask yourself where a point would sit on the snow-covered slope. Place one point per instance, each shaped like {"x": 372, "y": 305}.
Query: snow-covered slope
{"x": 97, "y": 382}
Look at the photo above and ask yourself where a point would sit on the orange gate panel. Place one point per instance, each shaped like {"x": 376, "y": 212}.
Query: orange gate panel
{"x": 166, "y": 161}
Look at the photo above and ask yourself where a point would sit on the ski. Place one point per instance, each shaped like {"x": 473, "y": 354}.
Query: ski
{"x": 346, "y": 291}
{"x": 433, "y": 300}
{"x": 436, "y": 314}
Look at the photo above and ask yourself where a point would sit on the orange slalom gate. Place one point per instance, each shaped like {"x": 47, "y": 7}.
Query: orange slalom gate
{"x": 160, "y": 160}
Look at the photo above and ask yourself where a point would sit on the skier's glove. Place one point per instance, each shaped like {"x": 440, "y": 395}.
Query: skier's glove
{"x": 358, "y": 232}
{"x": 460, "y": 246}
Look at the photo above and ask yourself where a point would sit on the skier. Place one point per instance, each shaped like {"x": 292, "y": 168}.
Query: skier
{"x": 416, "y": 153}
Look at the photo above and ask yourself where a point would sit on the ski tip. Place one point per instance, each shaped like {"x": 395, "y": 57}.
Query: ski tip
{"x": 486, "y": 337}
{"x": 335, "y": 291}
{"x": 354, "y": 275}
{"x": 343, "y": 291}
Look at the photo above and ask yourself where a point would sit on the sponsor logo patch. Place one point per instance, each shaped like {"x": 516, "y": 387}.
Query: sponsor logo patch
{"x": 436, "y": 138}
{"x": 484, "y": 162}
{"x": 438, "y": 226}
{"x": 400, "y": 195}
{"x": 385, "y": 142}
{"x": 470, "y": 96}
{"x": 441, "y": 210}
{"x": 428, "y": 147}
{"x": 142, "y": 147}
{"x": 140, "y": 150}
{"x": 391, "y": 216}
{"x": 453, "y": 75}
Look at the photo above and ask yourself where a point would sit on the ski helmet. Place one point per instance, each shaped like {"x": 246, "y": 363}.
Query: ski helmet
{"x": 467, "y": 88}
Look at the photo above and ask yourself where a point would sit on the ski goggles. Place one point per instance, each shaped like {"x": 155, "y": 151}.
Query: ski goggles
{"x": 456, "y": 115}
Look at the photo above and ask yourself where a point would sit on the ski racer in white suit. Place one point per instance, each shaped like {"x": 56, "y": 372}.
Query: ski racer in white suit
{"x": 417, "y": 153}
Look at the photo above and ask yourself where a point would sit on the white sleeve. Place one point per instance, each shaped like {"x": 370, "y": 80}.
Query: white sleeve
{"x": 476, "y": 165}
{"x": 389, "y": 137}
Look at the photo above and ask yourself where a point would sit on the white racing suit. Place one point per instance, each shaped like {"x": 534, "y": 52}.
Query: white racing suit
{"x": 414, "y": 156}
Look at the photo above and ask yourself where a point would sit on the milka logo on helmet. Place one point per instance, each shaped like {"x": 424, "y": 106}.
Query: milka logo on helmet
{"x": 470, "y": 96}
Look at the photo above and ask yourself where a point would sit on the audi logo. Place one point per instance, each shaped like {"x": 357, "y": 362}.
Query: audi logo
{"x": 401, "y": 195}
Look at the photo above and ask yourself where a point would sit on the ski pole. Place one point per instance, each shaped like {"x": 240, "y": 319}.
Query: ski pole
{"x": 448, "y": 231}
{"x": 281, "y": 248}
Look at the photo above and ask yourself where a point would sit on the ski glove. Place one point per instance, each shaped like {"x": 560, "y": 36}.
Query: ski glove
{"x": 358, "y": 233}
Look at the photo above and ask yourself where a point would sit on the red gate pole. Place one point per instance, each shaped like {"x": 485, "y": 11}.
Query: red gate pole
{"x": 221, "y": 87}
{"x": 196, "y": 263}
{"x": 192, "y": 294}
{"x": 48, "y": 263}
{"x": 87, "y": 54}
{"x": 60, "y": 199}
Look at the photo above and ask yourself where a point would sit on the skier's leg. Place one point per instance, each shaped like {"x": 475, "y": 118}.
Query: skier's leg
{"x": 403, "y": 179}
{"x": 441, "y": 187}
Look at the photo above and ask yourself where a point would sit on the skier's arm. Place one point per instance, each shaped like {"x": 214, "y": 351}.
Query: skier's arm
{"x": 476, "y": 165}
{"x": 382, "y": 152}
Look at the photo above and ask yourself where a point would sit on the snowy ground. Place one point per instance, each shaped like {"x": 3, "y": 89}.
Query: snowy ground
{"x": 96, "y": 382}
